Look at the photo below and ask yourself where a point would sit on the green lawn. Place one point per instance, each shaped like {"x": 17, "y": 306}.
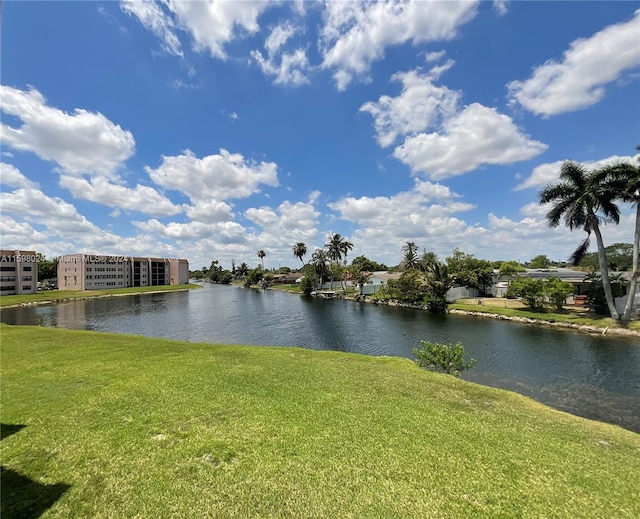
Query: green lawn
{"x": 61, "y": 295}
{"x": 123, "y": 426}
{"x": 515, "y": 308}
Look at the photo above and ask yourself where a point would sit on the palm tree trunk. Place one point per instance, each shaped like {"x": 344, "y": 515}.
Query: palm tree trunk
{"x": 604, "y": 269}
{"x": 628, "y": 308}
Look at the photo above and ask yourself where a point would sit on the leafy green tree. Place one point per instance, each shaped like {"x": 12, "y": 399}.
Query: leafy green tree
{"x": 300, "y": 251}
{"x": 579, "y": 200}
{"x": 409, "y": 287}
{"x": 509, "y": 269}
{"x": 541, "y": 261}
{"x": 557, "y": 291}
{"x": 253, "y": 277}
{"x": 469, "y": 271}
{"x": 309, "y": 282}
{"x": 529, "y": 289}
{"x": 364, "y": 264}
{"x": 445, "y": 358}
{"x": 47, "y": 269}
{"x": 619, "y": 256}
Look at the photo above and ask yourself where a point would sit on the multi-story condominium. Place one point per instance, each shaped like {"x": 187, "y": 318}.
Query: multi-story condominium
{"x": 18, "y": 272}
{"x": 93, "y": 272}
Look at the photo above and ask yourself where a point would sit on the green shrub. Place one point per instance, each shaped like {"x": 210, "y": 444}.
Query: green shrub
{"x": 307, "y": 285}
{"x": 445, "y": 358}
{"x": 528, "y": 289}
{"x": 436, "y": 304}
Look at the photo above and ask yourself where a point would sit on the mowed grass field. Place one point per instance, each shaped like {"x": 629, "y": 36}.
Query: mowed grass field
{"x": 102, "y": 425}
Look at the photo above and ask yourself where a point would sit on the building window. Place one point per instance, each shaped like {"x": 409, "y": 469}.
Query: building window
{"x": 7, "y": 289}
{"x": 26, "y": 287}
{"x": 27, "y": 278}
{"x": 26, "y": 269}
{"x": 7, "y": 269}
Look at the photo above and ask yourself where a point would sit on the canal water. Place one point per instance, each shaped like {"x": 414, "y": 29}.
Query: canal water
{"x": 593, "y": 376}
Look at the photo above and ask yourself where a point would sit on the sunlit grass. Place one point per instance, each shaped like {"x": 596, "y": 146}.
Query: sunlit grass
{"x": 143, "y": 427}
{"x": 514, "y": 308}
{"x": 61, "y": 295}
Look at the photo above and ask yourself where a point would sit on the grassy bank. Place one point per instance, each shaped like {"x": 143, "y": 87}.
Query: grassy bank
{"x": 61, "y": 295}
{"x": 577, "y": 315}
{"x": 122, "y": 426}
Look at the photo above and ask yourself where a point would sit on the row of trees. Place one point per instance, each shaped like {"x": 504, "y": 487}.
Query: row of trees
{"x": 582, "y": 200}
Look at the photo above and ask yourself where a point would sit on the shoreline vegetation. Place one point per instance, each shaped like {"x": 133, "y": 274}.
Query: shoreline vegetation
{"x": 104, "y": 425}
{"x": 61, "y": 296}
{"x": 573, "y": 318}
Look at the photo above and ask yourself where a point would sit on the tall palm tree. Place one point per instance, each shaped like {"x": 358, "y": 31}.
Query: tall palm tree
{"x": 337, "y": 248}
{"x": 345, "y": 247}
{"x": 319, "y": 259}
{"x": 300, "y": 251}
{"x": 261, "y": 255}
{"x": 577, "y": 200}
{"x": 334, "y": 252}
{"x": 623, "y": 182}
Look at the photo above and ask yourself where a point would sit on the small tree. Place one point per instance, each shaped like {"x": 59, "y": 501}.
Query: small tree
{"x": 445, "y": 358}
{"x": 557, "y": 291}
{"x": 529, "y": 289}
{"x": 409, "y": 287}
{"x": 510, "y": 269}
{"x": 253, "y": 277}
{"x": 541, "y": 261}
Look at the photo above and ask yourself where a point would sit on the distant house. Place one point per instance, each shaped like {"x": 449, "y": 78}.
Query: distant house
{"x": 377, "y": 280}
{"x": 287, "y": 279}
{"x": 575, "y": 277}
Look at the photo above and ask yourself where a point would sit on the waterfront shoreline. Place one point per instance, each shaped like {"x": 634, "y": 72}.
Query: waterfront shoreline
{"x": 593, "y": 330}
{"x": 97, "y": 296}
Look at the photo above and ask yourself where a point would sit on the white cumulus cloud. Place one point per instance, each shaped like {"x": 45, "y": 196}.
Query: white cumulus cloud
{"x": 578, "y": 80}
{"x": 421, "y": 105}
{"x": 79, "y": 142}
{"x": 477, "y": 135}
{"x": 219, "y": 177}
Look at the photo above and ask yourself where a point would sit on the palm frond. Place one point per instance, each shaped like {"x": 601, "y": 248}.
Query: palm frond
{"x": 580, "y": 252}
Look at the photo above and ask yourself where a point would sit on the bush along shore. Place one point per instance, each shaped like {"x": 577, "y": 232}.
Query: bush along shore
{"x": 106, "y": 425}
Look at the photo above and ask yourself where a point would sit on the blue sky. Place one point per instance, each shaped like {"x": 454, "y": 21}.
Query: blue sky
{"x": 211, "y": 130}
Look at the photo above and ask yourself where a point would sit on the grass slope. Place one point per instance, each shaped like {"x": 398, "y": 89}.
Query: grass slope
{"x": 61, "y": 295}
{"x": 127, "y": 426}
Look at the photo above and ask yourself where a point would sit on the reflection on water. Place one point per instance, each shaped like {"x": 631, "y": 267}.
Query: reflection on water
{"x": 593, "y": 376}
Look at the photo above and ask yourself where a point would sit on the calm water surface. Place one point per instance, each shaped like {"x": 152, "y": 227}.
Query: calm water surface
{"x": 592, "y": 376}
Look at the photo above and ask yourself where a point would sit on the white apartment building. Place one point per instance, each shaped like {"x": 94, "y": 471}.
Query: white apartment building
{"x": 93, "y": 271}
{"x": 18, "y": 272}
